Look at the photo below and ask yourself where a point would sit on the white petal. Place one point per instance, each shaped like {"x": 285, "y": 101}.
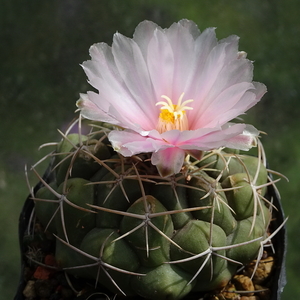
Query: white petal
{"x": 134, "y": 72}
{"x": 143, "y": 34}
{"x": 168, "y": 161}
{"x": 129, "y": 143}
{"x": 103, "y": 75}
{"x": 160, "y": 61}
{"x": 191, "y": 26}
{"x": 182, "y": 41}
{"x": 219, "y": 109}
{"x": 89, "y": 110}
{"x": 204, "y": 44}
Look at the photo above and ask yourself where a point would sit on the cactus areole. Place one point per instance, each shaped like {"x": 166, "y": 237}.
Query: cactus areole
{"x": 158, "y": 198}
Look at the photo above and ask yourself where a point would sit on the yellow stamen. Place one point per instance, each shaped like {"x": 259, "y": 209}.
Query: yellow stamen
{"x": 173, "y": 116}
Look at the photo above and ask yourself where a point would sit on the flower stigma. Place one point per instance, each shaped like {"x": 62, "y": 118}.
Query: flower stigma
{"x": 173, "y": 116}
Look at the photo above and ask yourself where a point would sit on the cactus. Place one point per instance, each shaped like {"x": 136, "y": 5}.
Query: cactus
{"x": 159, "y": 202}
{"x": 119, "y": 224}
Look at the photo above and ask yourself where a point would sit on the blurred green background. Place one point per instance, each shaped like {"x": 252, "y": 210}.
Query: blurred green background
{"x": 43, "y": 43}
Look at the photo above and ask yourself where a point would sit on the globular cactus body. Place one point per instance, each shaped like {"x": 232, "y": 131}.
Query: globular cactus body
{"x": 119, "y": 224}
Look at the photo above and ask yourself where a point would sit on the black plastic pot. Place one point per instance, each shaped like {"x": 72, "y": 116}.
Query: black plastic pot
{"x": 279, "y": 242}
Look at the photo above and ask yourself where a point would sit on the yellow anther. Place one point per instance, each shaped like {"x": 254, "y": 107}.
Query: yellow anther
{"x": 173, "y": 116}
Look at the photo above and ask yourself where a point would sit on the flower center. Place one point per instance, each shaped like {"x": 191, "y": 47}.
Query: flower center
{"x": 173, "y": 116}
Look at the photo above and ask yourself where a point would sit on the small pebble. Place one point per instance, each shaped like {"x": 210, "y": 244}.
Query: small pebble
{"x": 244, "y": 283}
{"x": 29, "y": 290}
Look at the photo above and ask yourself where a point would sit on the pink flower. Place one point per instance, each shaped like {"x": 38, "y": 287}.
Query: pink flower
{"x": 172, "y": 92}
